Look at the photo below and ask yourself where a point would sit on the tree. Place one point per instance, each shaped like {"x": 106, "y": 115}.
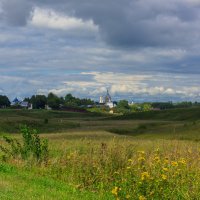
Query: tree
{"x": 53, "y": 101}
{"x": 123, "y": 106}
{"x": 69, "y": 98}
{"x": 71, "y": 101}
{"x": 4, "y": 101}
{"x": 38, "y": 101}
{"x": 146, "y": 107}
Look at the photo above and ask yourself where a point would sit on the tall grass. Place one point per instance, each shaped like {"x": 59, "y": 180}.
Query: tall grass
{"x": 125, "y": 168}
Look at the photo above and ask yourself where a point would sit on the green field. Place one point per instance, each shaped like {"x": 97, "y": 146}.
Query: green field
{"x": 150, "y": 155}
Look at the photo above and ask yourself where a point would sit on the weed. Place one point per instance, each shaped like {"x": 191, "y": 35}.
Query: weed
{"x": 31, "y": 146}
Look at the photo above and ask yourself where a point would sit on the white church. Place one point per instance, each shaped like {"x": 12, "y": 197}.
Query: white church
{"x": 107, "y": 101}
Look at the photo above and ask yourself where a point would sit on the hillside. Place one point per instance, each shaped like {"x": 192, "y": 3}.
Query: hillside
{"x": 180, "y": 114}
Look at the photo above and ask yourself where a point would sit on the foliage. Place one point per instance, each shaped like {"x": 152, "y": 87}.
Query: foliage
{"x": 53, "y": 101}
{"x": 159, "y": 161}
{"x": 22, "y": 184}
{"x": 71, "y": 101}
{"x": 4, "y": 101}
{"x": 123, "y": 106}
{"x": 140, "y": 107}
{"x": 129, "y": 173}
{"x": 38, "y": 101}
{"x": 32, "y": 146}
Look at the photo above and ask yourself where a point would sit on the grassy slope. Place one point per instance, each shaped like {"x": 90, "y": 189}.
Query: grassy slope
{"x": 147, "y": 128}
{"x": 181, "y": 124}
{"x": 17, "y": 184}
{"x": 181, "y": 114}
{"x": 58, "y": 121}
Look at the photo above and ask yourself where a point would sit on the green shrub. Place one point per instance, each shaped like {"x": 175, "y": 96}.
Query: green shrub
{"x": 31, "y": 147}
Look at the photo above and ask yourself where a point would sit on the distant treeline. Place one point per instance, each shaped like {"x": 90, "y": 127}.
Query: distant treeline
{"x": 69, "y": 101}
{"x": 124, "y": 107}
{"x": 52, "y": 100}
{"x": 170, "y": 105}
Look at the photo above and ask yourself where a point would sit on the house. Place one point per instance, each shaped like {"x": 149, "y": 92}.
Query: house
{"x": 24, "y": 104}
{"x": 15, "y": 102}
{"x": 21, "y": 104}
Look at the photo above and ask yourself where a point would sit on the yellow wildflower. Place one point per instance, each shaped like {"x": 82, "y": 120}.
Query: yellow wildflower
{"x": 141, "y": 159}
{"x": 142, "y": 197}
{"x": 165, "y": 169}
{"x": 164, "y": 177}
{"x": 144, "y": 175}
{"x": 128, "y": 196}
{"x": 182, "y": 161}
{"x": 130, "y": 160}
{"x": 128, "y": 167}
{"x": 156, "y": 158}
{"x": 115, "y": 190}
{"x": 174, "y": 163}
{"x": 142, "y": 152}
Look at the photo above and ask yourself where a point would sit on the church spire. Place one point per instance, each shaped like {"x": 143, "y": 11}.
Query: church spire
{"x": 107, "y": 97}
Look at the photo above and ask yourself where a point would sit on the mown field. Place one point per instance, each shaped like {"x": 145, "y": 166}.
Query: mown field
{"x": 154, "y": 155}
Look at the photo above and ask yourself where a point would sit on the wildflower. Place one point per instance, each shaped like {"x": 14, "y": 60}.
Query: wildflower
{"x": 141, "y": 159}
{"x": 144, "y": 175}
{"x": 174, "y": 163}
{"x": 142, "y": 197}
{"x": 164, "y": 177}
{"x": 115, "y": 191}
{"x": 128, "y": 167}
{"x": 182, "y": 161}
{"x": 128, "y": 196}
{"x": 156, "y": 158}
{"x": 130, "y": 160}
{"x": 141, "y": 152}
{"x": 165, "y": 169}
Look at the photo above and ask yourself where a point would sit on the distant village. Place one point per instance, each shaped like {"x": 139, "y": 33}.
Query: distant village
{"x": 54, "y": 102}
{"x": 71, "y": 103}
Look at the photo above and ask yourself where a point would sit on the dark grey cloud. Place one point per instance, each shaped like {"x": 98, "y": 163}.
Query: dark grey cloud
{"x": 126, "y": 23}
{"x": 16, "y": 12}
{"x": 133, "y": 23}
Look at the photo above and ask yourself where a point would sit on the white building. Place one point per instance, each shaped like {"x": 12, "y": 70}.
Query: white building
{"x": 107, "y": 101}
{"x": 22, "y": 104}
{"x": 101, "y": 100}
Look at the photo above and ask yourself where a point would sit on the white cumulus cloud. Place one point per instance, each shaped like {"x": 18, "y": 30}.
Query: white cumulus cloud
{"x": 50, "y": 19}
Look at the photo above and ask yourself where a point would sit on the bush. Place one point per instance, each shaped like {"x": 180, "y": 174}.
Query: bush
{"x": 31, "y": 147}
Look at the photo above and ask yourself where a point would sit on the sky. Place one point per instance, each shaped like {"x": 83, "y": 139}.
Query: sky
{"x": 137, "y": 49}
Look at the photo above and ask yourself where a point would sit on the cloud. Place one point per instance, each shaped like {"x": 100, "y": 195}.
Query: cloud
{"x": 50, "y": 19}
{"x": 137, "y": 49}
{"x": 15, "y": 12}
{"x": 130, "y": 23}
{"x": 130, "y": 86}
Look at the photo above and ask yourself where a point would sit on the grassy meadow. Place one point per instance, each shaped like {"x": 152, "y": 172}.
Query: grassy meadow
{"x": 150, "y": 155}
